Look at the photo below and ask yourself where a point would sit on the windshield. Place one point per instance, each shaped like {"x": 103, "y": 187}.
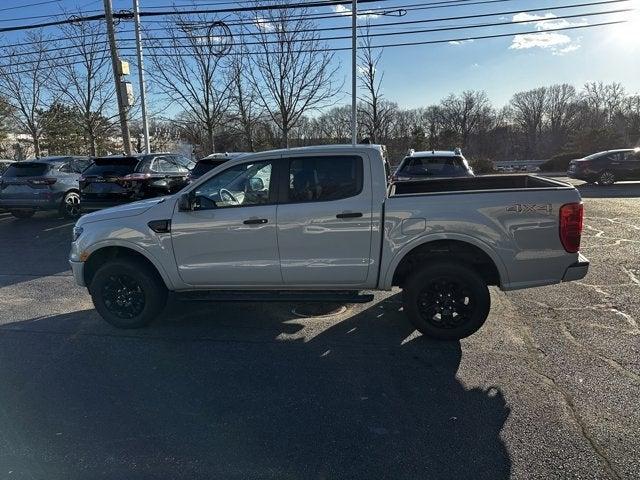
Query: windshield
{"x": 114, "y": 167}
{"x": 433, "y": 166}
{"x": 27, "y": 169}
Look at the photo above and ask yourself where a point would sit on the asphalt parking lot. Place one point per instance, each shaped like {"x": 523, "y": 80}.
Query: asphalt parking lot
{"x": 549, "y": 388}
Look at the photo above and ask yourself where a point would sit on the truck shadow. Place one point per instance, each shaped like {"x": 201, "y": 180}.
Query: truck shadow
{"x": 239, "y": 391}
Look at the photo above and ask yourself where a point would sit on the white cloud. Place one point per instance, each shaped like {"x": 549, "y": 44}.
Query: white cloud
{"x": 557, "y": 43}
{"x": 460, "y": 42}
{"x": 362, "y": 15}
{"x": 263, "y": 24}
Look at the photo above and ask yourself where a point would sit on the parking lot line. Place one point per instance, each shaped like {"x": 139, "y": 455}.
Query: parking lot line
{"x": 57, "y": 227}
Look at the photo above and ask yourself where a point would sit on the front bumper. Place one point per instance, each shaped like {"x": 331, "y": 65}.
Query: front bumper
{"x": 77, "y": 268}
{"x": 577, "y": 270}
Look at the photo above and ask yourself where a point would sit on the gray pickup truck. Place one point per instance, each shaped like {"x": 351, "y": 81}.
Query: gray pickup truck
{"x": 322, "y": 224}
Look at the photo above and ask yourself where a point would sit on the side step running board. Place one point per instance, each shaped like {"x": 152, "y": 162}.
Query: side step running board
{"x": 337, "y": 296}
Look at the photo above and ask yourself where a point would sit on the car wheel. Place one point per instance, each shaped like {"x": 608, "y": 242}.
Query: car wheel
{"x": 70, "y": 206}
{"x": 128, "y": 293}
{"x": 23, "y": 213}
{"x": 446, "y": 300}
{"x": 606, "y": 178}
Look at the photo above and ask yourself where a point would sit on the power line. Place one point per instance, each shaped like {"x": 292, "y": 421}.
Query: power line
{"x": 389, "y": 45}
{"x": 377, "y": 25}
{"x": 88, "y": 18}
{"x": 18, "y": 7}
{"x": 404, "y": 32}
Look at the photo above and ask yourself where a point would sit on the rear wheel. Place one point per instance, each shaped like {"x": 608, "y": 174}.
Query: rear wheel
{"x": 23, "y": 213}
{"x": 70, "y": 206}
{"x": 606, "y": 178}
{"x": 446, "y": 300}
{"x": 128, "y": 293}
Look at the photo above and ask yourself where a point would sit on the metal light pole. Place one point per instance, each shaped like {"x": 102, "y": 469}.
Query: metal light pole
{"x": 143, "y": 101}
{"x": 354, "y": 67}
{"x": 115, "y": 62}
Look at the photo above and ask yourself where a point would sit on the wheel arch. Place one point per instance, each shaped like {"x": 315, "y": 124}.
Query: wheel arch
{"x": 104, "y": 253}
{"x": 461, "y": 247}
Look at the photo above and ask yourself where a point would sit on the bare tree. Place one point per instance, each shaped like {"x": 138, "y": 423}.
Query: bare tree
{"x": 291, "y": 70}
{"x": 528, "y": 112}
{"x": 86, "y": 82}
{"x": 24, "y": 78}
{"x": 243, "y": 100}
{"x": 561, "y": 109}
{"x": 466, "y": 113}
{"x": 376, "y": 112}
{"x": 189, "y": 72}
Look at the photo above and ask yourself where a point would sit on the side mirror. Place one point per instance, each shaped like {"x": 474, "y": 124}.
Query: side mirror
{"x": 256, "y": 184}
{"x": 186, "y": 202}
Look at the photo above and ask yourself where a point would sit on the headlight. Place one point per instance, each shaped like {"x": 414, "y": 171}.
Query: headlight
{"x": 77, "y": 231}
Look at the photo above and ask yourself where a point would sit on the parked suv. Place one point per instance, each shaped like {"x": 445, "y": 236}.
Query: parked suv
{"x": 49, "y": 183}
{"x": 118, "y": 179}
{"x": 210, "y": 162}
{"x": 434, "y": 163}
{"x": 607, "y": 167}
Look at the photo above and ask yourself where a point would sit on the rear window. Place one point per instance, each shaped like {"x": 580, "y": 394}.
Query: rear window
{"x": 427, "y": 166}
{"x": 27, "y": 169}
{"x": 204, "y": 166}
{"x": 114, "y": 167}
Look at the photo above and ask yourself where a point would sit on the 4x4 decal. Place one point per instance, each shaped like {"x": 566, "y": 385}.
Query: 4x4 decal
{"x": 531, "y": 208}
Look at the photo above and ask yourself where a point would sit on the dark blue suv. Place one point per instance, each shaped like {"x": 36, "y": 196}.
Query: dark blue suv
{"x": 49, "y": 183}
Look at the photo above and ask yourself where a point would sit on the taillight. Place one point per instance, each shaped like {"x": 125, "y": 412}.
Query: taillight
{"x": 571, "y": 222}
{"x": 42, "y": 181}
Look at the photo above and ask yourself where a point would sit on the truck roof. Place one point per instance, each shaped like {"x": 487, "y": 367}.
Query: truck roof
{"x": 322, "y": 148}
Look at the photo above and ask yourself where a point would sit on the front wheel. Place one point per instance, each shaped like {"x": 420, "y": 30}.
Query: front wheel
{"x": 446, "y": 300}
{"x": 606, "y": 178}
{"x": 70, "y": 206}
{"x": 128, "y": 293}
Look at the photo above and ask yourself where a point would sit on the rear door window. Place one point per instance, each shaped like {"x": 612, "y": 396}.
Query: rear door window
{"x": 118, "y": 167}
{"x": 319, "y": 179}
{"x": 27, "y": 169}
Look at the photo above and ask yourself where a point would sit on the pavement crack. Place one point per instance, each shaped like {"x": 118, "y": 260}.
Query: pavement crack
{"x": 534, "y": 363}
{"x": 634, "y": 377}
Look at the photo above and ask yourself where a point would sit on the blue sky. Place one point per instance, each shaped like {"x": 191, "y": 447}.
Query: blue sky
{"x": 421, "y": 75}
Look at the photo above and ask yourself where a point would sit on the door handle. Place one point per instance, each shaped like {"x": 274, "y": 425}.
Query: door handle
{"x": 255, "y": 221}
{"x": 349, "y": 215}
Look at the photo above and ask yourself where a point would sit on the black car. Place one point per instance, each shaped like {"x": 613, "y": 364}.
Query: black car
{"x": 4, "y": 165}
{"x": 210, "y": 162}
{"x": 115, "y": 180}
{"x": 49, "y": 183}
{"x": 608, "y": 167}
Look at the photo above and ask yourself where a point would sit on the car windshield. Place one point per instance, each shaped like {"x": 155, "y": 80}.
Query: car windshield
{"x": 428, "y": 166}
{"x": 113, "y": 167}
{"x": 27, "y": 169}
{"x": 204, "y": 166}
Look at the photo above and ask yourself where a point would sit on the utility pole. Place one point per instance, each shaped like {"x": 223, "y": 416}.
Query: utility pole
{"x": 354, "y": 71}
{"x": 115, "y": 62}
{"x": 143, "y": 101}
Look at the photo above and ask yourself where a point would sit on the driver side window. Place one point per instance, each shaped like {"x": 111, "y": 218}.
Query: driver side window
{"x": 241, "y": 185}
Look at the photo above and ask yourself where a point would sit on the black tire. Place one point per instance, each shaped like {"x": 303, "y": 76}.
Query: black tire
{"x": 446, "y": 300}
{"x": 606, "y": 178}
{"x": 23, "y": 213}
{"x": 128, "y": 293}
{"x": 70, "y": 205}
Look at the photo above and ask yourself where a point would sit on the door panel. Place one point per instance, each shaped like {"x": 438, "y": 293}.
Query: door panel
{"x": 230, "y": 238}
{"x": 325, "y": 221}
{"x": 215, "y": 247}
